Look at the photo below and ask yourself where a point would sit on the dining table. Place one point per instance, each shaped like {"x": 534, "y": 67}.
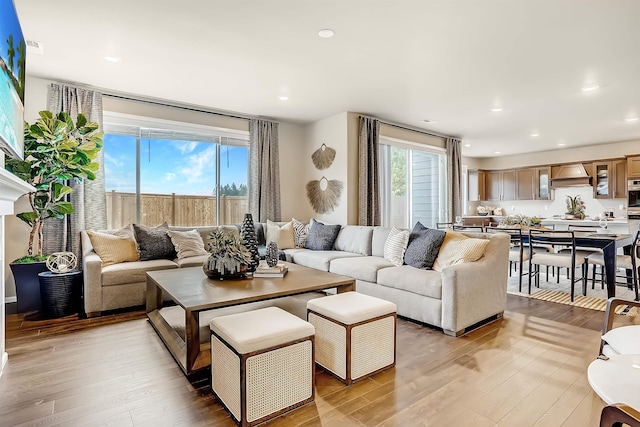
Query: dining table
{"x": 609, "y": 243}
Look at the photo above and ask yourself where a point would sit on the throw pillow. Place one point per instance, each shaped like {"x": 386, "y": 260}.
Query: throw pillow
{"x": 154, "y": 243}
{"x": 281, "y": 234}
{"x": 395, "y": 246}
{"x": 423, "y": 247}
{"x": 300, "y": 233}
{"x": 113, "y": 248}
{"x": 322, "y": 236}
{"x": 187, "y": 243}
{"x": 458, "y": 248}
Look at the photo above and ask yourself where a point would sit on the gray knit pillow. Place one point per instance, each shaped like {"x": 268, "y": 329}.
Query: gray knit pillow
{"x": 322, "y": 236}
{"x": 423, "y": 247}
{"x": 154, "y": 243}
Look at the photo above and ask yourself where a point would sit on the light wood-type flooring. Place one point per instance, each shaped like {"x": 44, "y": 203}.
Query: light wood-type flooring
{"x": 526, "y": 369}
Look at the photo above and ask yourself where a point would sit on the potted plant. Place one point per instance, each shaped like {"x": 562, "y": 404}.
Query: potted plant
{"x": 56, "y": 151}
{"x": 229, "y": 257}
{"x": 575, "y": 207}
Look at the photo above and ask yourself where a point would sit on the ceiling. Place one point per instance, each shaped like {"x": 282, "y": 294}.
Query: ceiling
{"x": 448, "y": 61}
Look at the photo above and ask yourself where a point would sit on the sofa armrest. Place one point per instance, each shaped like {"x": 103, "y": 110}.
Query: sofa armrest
{"x": 474, "y": 291}
{"x": 92, "y": 274}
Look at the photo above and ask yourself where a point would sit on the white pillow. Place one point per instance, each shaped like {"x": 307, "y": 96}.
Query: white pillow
{"x": 395, "y": 245}
{"x": 187, "y": 243}
{"x": 281, "y": 234}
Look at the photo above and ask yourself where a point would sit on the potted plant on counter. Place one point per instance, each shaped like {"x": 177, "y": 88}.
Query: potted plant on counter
{"x": 575, "y": 207}
{"x": 56, "y": 151}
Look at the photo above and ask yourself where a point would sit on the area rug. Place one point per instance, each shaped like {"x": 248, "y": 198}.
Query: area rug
{"x": 581, "y": 301}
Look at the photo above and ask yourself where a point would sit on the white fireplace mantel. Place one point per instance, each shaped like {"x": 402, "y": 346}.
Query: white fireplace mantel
{"x": 11, "y": 188}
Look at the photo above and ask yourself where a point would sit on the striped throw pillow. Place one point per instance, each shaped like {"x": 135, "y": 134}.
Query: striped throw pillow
{"x": 112, "y": 248}
{"x": 395, "y": 245}
{"x": 187, "y": 243}
{"x": 300, "y": 233}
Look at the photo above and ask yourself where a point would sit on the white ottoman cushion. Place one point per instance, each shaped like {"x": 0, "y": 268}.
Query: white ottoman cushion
{"x": 624, "y": 340}
{"x": 351, "y": 307}
{"x": 260, "y": 329}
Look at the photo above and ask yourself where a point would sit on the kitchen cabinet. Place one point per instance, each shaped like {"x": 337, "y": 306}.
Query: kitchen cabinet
{"x": 610, "y": 179}
{"x": 633, "y": 166}
{"x": 476, "y": 185}
{"x": 525, "y": 183}
{"x": 541, "y": 190}
{"x": 500, "y": 185}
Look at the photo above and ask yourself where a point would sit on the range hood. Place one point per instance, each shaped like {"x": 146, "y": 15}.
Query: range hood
{"x": 573, "y": 175}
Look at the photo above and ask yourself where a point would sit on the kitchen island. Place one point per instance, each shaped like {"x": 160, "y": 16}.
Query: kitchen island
{"x": 615, "y": 225}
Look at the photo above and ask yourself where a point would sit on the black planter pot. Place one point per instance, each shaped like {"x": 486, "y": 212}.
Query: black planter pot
{"x": 28, "y": 285}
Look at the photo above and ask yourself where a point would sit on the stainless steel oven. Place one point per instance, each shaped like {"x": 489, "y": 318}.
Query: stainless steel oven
{"x": 633, "y": 201}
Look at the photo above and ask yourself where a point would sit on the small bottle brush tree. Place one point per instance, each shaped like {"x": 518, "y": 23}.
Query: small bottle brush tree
{"x": 56, "y": 150}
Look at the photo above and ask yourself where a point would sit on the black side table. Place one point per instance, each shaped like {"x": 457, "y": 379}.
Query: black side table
{"x": 61, "y": 293}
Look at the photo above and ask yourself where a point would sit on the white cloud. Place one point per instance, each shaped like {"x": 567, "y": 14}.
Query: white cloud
{"x": 201, "y": 166}
{"x": 114, "y": 161}
{"x": 169, "y": 176}
{"x": 186, "y": 147}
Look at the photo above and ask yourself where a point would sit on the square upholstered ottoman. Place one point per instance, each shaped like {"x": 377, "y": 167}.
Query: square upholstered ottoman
{"x": 262, "y": 363}
{"x": 355, "y": 334}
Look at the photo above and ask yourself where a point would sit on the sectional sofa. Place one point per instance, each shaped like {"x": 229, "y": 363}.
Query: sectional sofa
{"x": 454, "y": 299}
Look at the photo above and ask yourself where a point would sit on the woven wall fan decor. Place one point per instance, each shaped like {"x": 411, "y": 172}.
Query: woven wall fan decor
{"x": 327, "y": 199}
{"x": 323, "y": 157}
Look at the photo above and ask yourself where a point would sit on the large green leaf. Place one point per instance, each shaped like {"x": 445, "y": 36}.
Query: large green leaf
{"x": 64, "y": 207}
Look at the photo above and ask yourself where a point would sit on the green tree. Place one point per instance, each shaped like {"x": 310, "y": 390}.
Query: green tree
{"x": 11, "y": 52}
{"x": 22, "y": 70}
{"x": 398, "y": 171}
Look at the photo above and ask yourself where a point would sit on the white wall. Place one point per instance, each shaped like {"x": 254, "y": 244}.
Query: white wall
{"x": 331, "y": 131}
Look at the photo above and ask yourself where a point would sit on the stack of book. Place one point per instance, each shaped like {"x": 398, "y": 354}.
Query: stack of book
{"x": 263, "y": 270}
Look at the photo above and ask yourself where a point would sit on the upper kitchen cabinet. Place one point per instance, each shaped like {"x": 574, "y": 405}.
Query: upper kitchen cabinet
{"x": 633, "y": 166}
{"x": 525, "y": 183}
{"x": 542, "y": 183}
{"x": 610, "y": 179}
{"x": 476, "y": 185}
{"x": 501, "y": 185}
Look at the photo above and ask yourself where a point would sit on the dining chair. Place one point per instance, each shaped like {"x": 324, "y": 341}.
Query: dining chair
{"x": 517, "y": 254}
{"x": 627, "y": 262}
{"x": 619, "y": 339}
{"x": 585, "y": 252}
{"x": 570, "y": 259}
{"x": 618, "y": 414}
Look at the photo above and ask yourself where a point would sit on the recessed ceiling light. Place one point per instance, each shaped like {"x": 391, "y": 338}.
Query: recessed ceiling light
{"x": 326, "y": 33}
{"x": 561, "y": 144}
{"x": 590, "y": 88}
{"x": 535, "y": 134}
{"x": 467, "y": 145}
{"x": 110, "y": 58}
{"x": 429, "y": 121}
{"x": 496, "y": 152}
{"x": 631, "y": 119}
{"x": 496, "y": 109}
{"x": 283, "y": 98}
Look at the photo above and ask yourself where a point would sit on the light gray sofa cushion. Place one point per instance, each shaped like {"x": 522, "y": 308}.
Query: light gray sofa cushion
{"x": 192, "y": 261}
{"x": 378, "y": 240}
{"x": 407, "y": 278}
{"x": 133, "y": 272}
{"x": 319, "y": 260}
{"x": 354, "y": 238}
{"x": 364, "y": 268}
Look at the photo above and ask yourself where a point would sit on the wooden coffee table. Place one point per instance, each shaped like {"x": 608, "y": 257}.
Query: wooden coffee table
{"x": 195, "y": 293}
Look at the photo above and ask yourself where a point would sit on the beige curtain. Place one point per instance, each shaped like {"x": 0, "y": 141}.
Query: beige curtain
{"x": 454, "y": 178}
{"x": 88, "y": 197}
{"x": 369, "y": 179}
{"x": 264, "y": 171}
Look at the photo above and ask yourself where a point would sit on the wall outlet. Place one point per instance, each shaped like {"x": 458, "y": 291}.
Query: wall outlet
{"x": 621, "y": 206}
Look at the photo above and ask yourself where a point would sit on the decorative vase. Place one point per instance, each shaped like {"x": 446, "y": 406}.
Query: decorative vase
{"x": 250, "y": 241}
{"x": 272, "y": 254}
{"x": 214, "y": 271}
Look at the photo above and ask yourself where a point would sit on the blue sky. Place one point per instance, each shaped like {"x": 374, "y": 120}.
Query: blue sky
{"x": 168, "y": 166}
{"x": 9, "y": 25}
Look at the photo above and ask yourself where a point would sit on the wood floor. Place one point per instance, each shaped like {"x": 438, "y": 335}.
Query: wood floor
{"x": 527, "y": 369}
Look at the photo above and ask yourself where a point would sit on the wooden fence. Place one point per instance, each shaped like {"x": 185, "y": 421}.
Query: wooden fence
{"x": 174, "y": 209}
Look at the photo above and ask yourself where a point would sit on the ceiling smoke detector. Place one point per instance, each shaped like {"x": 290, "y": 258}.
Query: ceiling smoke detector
{"x": 34, "y": 47}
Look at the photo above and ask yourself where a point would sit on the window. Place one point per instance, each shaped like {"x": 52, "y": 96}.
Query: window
{"x": 185, "y": 178}
{"x": 413, "y": 184}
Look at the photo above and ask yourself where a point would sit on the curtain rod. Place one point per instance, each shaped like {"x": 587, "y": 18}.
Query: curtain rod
{"x": 412, "y": 129}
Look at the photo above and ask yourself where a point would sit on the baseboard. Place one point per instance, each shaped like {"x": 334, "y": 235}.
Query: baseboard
{"x": 5, "y": 359}
{"x": 11, "y": 305}
{"x": 8, "y": 300}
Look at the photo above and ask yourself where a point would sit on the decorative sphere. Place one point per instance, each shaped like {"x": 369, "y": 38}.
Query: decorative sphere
{"x": 61, "y": 262}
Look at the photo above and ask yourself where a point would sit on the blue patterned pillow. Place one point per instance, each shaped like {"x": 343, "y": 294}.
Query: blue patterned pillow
{"x": 322, "y": 236}
{"x": 423, "y": 247}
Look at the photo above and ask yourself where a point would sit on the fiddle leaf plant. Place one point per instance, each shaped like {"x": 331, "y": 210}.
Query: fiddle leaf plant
{"x": 56, "y": 151}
